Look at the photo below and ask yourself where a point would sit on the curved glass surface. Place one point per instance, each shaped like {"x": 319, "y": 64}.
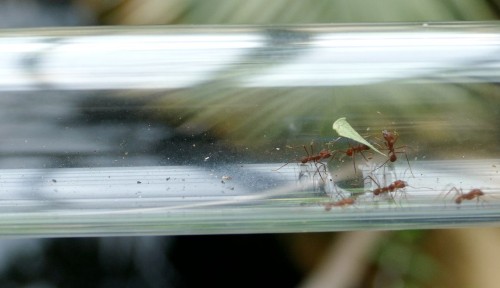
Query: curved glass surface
{"x": 187, "y": 130}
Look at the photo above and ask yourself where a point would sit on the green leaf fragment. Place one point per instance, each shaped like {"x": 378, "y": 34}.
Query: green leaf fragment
{"x": 345, "y": 129}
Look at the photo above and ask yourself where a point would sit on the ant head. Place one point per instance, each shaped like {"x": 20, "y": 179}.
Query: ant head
{"x": 304, "y": 160}
{"x": 389, "y": 136}
{"x": 458, "y": 200}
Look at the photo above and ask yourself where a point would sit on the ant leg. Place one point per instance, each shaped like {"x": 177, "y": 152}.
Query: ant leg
{"x": 289, "y": 162}
{"x": 318, "y": 171}
{"x": 362, "y": 154}
{"x": 407, "y": 160}
{"x": 458, "y": 193}
{"x": 322, "y": 185}
{"x": 307, "y": 152}
{"x": 452, "y": 189}
{"x": 281, "y": 166}
{"x": 381, "y": 165}
{"x": 354, "y": 162}
{"x": 443, "y": 197}
{"x": 371, "y": 178}
{"x": 333, "y": 142}
{"x": 286, "y": 162}
{"x": 403, "y": 195}
{"x": 332, "y": 156}
{"x": 374, "y": 181}
{"x": 325, "y": 165}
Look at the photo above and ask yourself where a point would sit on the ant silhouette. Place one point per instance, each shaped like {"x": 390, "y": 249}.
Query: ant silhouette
{"x": 340, "y": 203}
{"x": 397, "y": 185}
{"x": 315, "y": 159}
{"x": 474, "y": 193}
{"x": 390, "y": 139}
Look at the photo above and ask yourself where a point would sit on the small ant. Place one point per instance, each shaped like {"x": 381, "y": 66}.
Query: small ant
{"x": 352, "y": 150}
{"x": 323, "y": 154}
{"x": 314, "y": 158}
{"x": 340, "y": 203}
{"x": 473, "y": 193}
{"x": 393, "y": 187}
{"x": 389, "y": 141}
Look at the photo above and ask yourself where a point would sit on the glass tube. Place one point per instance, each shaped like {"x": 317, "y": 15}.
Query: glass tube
{"x": 203, "y": 130}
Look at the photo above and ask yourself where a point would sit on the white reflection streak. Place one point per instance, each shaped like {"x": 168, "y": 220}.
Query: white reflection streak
{"x": 363, "y": 58}
{"x": 435, "y": 40}
{"x": 162, "y": 42}
{"x": 137, "y": 62}
{"x": 186, "y": 58}
{"x": 119, "y": 61}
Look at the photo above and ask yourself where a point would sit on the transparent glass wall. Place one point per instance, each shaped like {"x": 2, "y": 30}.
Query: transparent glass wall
{"x": 187, "y": 130}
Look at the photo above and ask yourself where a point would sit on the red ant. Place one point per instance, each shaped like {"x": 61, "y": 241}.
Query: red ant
{"x": 398, "y": 184}
{"x": 473, "y": 193}
{"x": 390, "y": 140}
{"x": 352, "y": 150}
{"x": 393, "y": 187}
{"x": 340, "y": 203}
{"x": 323, "y": 154}
{"x": 314, "y": 158}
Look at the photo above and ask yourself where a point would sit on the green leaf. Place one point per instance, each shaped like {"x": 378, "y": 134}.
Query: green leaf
{"x": 345, "y": 129}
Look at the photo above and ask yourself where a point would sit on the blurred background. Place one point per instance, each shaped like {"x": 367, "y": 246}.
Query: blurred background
{"x": 130, "y": 130}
